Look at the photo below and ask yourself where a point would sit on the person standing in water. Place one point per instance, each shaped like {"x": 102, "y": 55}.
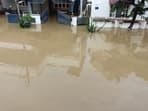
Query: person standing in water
{"x": 76, "y": 8}
{"x": 138, "y": 9}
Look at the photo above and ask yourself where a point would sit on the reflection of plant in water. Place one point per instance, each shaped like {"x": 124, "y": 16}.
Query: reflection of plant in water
{"x": 121, "y": 60}
{"x": 117, "y": 65}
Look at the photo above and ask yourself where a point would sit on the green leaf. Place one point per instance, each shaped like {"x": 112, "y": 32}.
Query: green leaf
{"x": 25, "y": 21}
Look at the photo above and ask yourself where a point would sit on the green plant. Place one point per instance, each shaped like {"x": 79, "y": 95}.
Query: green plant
{"x": 91, "y": 27}
{"x": 25, "y": 21}
{"x": 118, "y": 8}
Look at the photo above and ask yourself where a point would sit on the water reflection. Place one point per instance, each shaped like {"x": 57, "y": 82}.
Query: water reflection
{"x": 27, "y": 54}
{"x": 122, "y": 53}
{"x": 72, "y": 71}
{"x": 114, "y": 53}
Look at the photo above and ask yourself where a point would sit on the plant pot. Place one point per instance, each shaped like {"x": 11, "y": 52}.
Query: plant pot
{"x": 25, "y": 25}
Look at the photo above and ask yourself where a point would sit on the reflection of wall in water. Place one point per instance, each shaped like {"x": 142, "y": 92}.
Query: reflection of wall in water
{"x": 121, "y": 60}
{"x": 41, "y": 55}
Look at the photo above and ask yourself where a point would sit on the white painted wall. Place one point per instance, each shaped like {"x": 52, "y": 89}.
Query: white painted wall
{"x": 100, "y": 8}
{"x": 146, "y": 13}
{"x": 37, "y": 18}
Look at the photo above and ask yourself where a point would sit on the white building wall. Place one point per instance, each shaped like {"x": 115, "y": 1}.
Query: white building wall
{"x": 100, "y": 8}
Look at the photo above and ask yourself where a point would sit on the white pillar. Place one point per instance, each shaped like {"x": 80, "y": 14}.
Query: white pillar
{"x": 81, "y": 8}
{"x": 29, "y": 8}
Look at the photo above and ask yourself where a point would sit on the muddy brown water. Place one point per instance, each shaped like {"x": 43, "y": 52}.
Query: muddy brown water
{"x": 60, "y": 68}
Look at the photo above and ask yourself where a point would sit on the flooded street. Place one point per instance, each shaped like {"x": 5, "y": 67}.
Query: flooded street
{"x": 54, "y": 67}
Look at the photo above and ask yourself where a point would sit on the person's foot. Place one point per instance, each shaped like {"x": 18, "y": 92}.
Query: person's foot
{"x": 129, "y": 28}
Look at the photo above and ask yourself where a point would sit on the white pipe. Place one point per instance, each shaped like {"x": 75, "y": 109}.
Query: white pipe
{"x": 81, "y": 8}
{"x": 18, "y": 9}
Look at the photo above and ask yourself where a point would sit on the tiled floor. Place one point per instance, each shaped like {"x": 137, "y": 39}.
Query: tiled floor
{"x": 60, "y": 68}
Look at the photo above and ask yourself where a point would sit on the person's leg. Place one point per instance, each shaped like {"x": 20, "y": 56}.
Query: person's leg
{"x": 76, "y": 7}
{"x": 133, "y": 19}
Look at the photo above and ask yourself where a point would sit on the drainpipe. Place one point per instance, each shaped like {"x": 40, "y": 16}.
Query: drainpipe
{"x": 81, "y": 10}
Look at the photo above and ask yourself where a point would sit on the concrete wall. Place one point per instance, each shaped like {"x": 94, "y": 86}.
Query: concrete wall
{"x": 7, "y": 3}
{"x": 100, "y": 8}
{"x": 1, "y": 8}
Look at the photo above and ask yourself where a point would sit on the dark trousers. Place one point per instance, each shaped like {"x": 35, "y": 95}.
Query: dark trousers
{"x": 76, "y": 8}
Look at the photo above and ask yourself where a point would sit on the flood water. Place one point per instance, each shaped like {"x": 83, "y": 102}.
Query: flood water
{"x": 60, "y": 68}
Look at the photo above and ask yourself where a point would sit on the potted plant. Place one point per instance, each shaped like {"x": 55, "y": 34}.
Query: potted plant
{"x": 25, "y": 21}
{"x": 91, "y": 26}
